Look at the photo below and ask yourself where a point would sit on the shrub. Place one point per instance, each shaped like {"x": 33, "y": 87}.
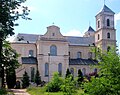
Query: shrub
{"x": 108, "y": 82}
{"x": 68, "y": 86}
{"x": 54, "y": 85}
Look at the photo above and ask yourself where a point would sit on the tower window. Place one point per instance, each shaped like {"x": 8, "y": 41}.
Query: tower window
{"x": 98, "y": 24}
{"x": 79, "y": 54}
{"x": 98, "y": 36}
{"x": 53, "y": 50}
{"x": 108, "y": 22}
{"x": 108, "y": 35}
{"x": 53, "y": 34}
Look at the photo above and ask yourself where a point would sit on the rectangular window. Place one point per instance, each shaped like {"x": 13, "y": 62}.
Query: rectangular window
{"x": 31, "y": 53}
{"x": 46, "y": 69}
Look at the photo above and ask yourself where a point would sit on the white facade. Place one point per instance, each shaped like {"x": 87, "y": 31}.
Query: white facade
{"x": 53, "y": 52}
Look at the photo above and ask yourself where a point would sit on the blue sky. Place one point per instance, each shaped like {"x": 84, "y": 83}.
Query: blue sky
{"x": 72, "y": 16}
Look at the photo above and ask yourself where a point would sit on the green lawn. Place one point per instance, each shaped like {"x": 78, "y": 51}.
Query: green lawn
{"x": 41, "y": 91}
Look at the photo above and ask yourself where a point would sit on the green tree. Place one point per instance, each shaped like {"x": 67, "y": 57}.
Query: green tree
{"x": 11, "y": 78}
{"x": 68, "y": 73}
{"x": 69, "y": 86}
{"x": 8, "y": 15}
{"x": 10, "y": 60}
{"x": 80, "y": 76}
{"x": 25, "y": 80}
{"x": 55, "y": 84}
{"x": 37, "y": 78}
{"x": 108, "y": 82}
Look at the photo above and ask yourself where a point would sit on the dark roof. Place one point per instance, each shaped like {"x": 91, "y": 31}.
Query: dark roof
{"x": 106, "y": 9}
{"x": 82, "y": 62}
{"x": 32, "y": 38}
{"x": 85, "y": 41}
{"x": 29, "y": 60}
{"x": 90, "y": 29}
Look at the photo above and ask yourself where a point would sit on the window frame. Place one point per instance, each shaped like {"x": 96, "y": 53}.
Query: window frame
{"x": 31, "y": 53}
{"x": 46, "y": 69}
{"x": 53, "y": 50}
{"x": 60, "y": 69}
{"x": 79, "y": 55}
{"x": 108, "y": 35}
{"x": 108, "y": 22}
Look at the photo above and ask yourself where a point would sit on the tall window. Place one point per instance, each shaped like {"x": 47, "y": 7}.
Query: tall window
{"x": 46, "y": 69}
{"x": 84, "y": 71}
{"x": 108, "y": 22}
{"x": 53, "y": 50}
{"x": 108, "y": 35}
{"x": 32, "y": 74}
{"x": 98, "y": 24}
{"x": 79, "y": 54}
{"x": 31, "y": 53}
{"x": 98, "y": 36}
{"x": 60, "y": 68}
{"x": 89, "y": 54}
{"x": 108, "y": 48}
{"x": 72, "y": 71}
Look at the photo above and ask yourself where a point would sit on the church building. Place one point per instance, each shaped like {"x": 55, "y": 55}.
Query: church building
{"x": 54, "y": 52}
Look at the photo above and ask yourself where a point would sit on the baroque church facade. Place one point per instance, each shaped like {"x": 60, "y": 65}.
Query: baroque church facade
{"x": 53, "y": 52}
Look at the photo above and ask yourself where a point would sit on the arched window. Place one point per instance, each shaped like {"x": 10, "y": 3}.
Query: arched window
{"x": 31, "y": 53}
{"x": 90, "y": 55}
{"x": 84, "y": 71}
{"x": 46, "y": 69}
{"x": 98, "y": 36}
{"x": 60, "y": 68}
{"x": 32, "y": 74}
{"x": 108, "y": 48}
{"x": 53, "y": 50}
{"x": 79, "y": 54}
{"x": 108, "y": 22}
{"x": 72, "y": 71}
{"x": 98, "y": 24}
{"x": 108, "y": 35}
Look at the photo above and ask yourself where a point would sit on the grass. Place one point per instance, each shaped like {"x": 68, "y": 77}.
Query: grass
{"x": 41, "y": 91}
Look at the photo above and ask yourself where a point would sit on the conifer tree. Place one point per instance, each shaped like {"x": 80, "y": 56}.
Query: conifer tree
{"x": 80, "y": 76}
{"x": 68, "y": 73}
{"x": 25, "y": 80}
{"x": 37, "y": 78}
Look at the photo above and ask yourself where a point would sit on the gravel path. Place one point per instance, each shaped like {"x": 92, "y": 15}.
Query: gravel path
{"x": 20, "y": 92}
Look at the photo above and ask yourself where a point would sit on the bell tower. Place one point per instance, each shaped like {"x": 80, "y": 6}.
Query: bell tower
{"x": 105, "y": 35}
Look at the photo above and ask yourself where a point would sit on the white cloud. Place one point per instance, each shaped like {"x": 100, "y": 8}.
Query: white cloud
{"x": 73, "y": 32}
{"x": 11, "y": 38}
{"x": 117, "y": 18}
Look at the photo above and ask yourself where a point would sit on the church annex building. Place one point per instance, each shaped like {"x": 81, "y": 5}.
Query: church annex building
{"x": 54, "y": 52}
